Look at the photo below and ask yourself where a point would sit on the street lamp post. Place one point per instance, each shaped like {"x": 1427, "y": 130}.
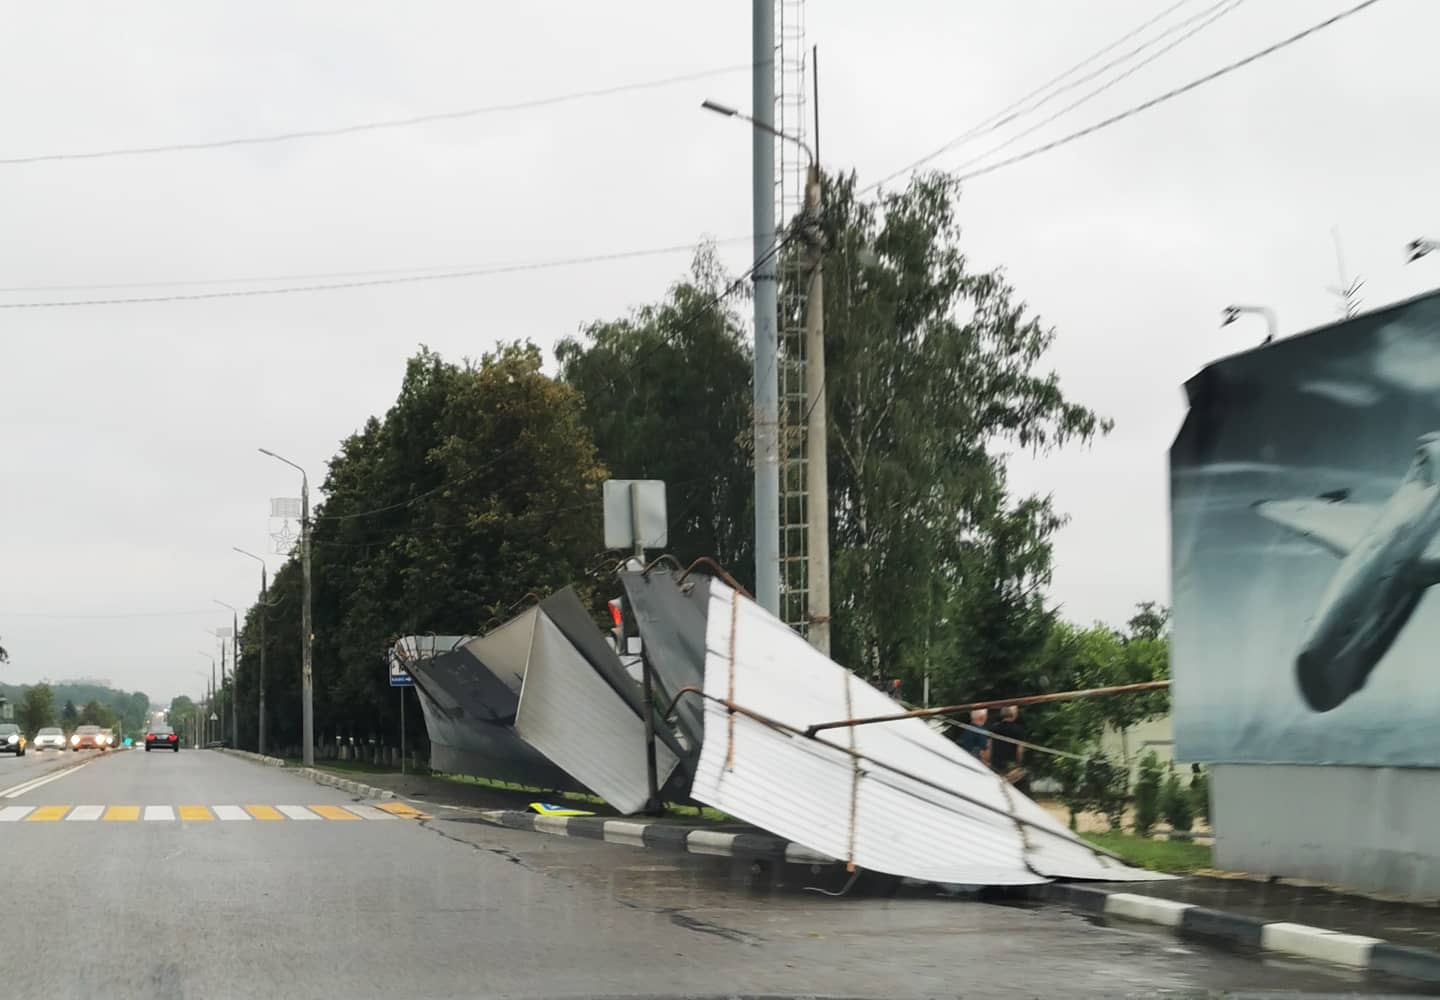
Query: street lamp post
{"x": 264, "y": 607}
{"x": 234, "y": 671}
{"x": 817, "y": 477}
{"x": 1230, "y": 314}
{"x": 307, "y": 712}
{"x": 210, "y": 695}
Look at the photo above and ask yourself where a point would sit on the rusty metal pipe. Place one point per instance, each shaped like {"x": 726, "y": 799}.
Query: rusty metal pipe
{"x": 717, "y": 570}
{"x": 1033, "y": 699}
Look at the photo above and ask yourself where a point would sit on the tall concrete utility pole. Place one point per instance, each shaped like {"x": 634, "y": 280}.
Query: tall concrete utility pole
{"x": 766, "y": 392}
{"x": 817, "y": 475}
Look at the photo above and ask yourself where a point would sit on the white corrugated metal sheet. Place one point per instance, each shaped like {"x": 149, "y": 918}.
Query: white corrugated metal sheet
{"x": 936, "y": 828}
{"x": 505, "y": 648}
{"x": 571, "y": 715}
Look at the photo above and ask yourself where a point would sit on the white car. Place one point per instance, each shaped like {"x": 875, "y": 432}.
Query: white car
{"x": 49, "y": 738}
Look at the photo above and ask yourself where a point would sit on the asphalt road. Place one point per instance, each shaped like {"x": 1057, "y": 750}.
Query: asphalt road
{"x": 200, "y": 875}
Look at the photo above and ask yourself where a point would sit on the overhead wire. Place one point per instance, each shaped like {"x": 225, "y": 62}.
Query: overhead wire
{"x": 407, "y": 279}
{"x": 375, "y": 125}
{"x": 1159, "y": 99}
{"x": 1216, "y": 12}
{"x": 1023, "y": 105}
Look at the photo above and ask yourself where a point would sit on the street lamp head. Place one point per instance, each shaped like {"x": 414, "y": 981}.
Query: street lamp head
{"x": 719, "y": 109}
{"x": 267, "y": 451}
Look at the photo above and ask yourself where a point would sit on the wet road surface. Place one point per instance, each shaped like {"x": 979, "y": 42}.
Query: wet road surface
{"x": 199, "y": 875}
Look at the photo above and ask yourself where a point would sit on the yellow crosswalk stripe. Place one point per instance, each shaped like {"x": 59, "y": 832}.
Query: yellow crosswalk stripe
{"x": 264, "y": 812}
{"x": 47, "y": 814}
{"x": 121, "y": 814}
{"x": 334, "y": 812}
{"x": 193, "y": 813}
{"x": 401, "y": 809}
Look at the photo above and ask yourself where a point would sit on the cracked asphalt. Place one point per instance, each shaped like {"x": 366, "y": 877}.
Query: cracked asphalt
{"x": 178, "y": 886}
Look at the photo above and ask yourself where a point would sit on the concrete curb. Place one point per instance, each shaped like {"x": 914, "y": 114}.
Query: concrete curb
{"x": 1354, "y": 951}
{"x": 316, "y": 775}
{"x": 664, "y": 836}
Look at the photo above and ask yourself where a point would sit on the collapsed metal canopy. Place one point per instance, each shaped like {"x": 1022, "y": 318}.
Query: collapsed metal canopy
{"x": 894, "y": 798}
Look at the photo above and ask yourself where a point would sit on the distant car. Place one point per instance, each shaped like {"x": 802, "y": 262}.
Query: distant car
{"x": 86, "y": 738}
{"x": 107, "y": 739}
{"x": 12, "y": 740}
{"x": 161, "y": 738}
{"x": 49, "y": 738}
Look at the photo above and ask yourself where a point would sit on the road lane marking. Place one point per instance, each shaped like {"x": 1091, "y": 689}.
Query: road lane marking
{"x": 230, "y": 813}
{"x": 402, "y": 810}
{"x": 163, "y": 814}
{"x": 192, "y": 814}
{"x": 369, "y": 812}
{"x": 334, "y": 812}
{"x": 15, "y": 791}
{"x": 47, "y": 814}
{"x": 263, "y": 812}
{"x": 85, "y": 814}
{"x": 297, "y": 812}
{"x": 121, "y": 814}
{"x": 12, "y": 814}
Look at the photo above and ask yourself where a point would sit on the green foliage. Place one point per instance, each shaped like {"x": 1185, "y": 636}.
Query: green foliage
{"x": 1095, "y": 784}
{"x": 666, "y": 392}
{"x": 37, "y": 710}
{"x": 1200, "y": 793}
{"x": 182, "y": 719}
{"x": 1178, "y": 856}
{"x": 97, "y": 713}
{"x": 1175, "y": 805}
{"x": 933, "y": 373}
{"x": 69, "y": 716}
{"x": 479, "y": 485}
{"x": 1147, "y": 793}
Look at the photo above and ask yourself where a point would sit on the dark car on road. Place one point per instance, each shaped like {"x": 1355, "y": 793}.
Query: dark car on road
{"x": 12, "y": 740}
{"x": 161, "y": 738}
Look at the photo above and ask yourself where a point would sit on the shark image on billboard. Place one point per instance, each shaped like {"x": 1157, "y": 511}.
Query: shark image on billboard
{"x": 1305, "y": 520}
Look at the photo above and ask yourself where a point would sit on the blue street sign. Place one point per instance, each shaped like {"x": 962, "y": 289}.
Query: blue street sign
{"x": 399, "y": 676}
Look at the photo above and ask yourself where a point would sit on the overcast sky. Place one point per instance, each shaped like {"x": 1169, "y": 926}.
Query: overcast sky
{"x": 129, "y": 432}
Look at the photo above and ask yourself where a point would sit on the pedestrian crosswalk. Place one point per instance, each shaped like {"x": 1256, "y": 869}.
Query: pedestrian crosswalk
{"x": 206, "y": 813}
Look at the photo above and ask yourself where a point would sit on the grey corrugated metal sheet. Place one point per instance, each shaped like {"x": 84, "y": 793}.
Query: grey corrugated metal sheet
{"x": 505, "y": 648}
{"x": 806, "y": 790}
{"x": 573, "y": 716}
{"x": 672, "y": 630}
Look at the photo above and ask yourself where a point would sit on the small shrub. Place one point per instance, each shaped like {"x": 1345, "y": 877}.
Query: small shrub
{"x": 1175, "y": 804}
{"x": 1107, "y": 786}
{"x": 1200, "y": 793}
{"x": 1147, "y": 793}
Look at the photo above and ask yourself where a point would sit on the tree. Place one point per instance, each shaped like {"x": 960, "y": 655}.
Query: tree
{"x": 69, "y": 715}
{"x": 933, "y": 373}
{"x": 666, "y": 393}
{"x": 480, "y": 484}
{"x": 97, "y": 713}
{"x": 38, "y": 708}
{"x": 1147, "y": 793}
{"x": 182, "y": 718}
{"x": 1175, "y": 805}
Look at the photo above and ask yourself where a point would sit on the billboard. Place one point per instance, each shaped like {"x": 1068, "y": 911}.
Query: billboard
{"x": 1305, "y": 535}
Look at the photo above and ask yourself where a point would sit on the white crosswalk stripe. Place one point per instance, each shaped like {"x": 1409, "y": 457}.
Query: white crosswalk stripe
{"x": 297, "y": 812}
{"x": 160, "y": 813}
{"x": 11, "y": 814}
{"x": 369, "y": 812}
{"x": 85, "y": 813}
{"x": 230, "y": 812}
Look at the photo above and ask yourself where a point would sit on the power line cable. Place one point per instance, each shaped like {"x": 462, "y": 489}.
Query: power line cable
{"x": 388, "y": 123}
{"x": 275, "y": 278}
{"x": 730, "y": 289}
{"x": 478, "y": 272}
{"x": 1218, "y": 11}
{"x": 1166, "y": 96}
{"x": 1022, "y": 106}
{"x": 122, "y": 614}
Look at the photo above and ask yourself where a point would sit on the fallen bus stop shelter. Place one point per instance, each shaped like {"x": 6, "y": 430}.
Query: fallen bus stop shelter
{"x": 734, "y": 699}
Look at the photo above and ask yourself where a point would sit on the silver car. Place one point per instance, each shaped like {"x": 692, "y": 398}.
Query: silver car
{"x": 49, "y": 738}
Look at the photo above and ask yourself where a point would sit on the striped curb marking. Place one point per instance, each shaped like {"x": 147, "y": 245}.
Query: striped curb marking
{"x": 204, "y": 813}
{"x": 1354, "y": 951}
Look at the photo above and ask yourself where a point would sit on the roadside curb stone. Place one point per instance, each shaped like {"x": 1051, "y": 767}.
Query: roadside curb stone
{"x": 316, "y": 775}
{"x": 1353, "y": 951}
